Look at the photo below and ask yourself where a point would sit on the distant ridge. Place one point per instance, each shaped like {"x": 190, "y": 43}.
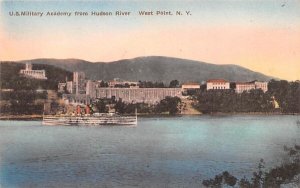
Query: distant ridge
{"x": 155, "y": 68}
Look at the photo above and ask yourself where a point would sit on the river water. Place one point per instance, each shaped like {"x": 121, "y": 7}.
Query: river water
{"x": 159, "y": 152}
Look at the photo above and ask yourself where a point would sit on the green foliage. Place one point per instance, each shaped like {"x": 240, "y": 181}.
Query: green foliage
{"x": 287, "y": 94}
{"x": 149, "y": 84}
{"x": 22, "y": 102}
{"x": 124, "y": 108}
{"x": 153, "y": 68}
{"x": 228, "y": 101}
{"x": 11, "y": 79}
{"x": 174, "y": 84}
{"x": 101, "y": 106}
{"x": 103, "y": 84}
{"x": 169, "y": 104}
{"x": 275, "y": 177}
{"x": 222, "y": 179}
{"x": 120, "y": 107}
{"x": 30, "y": 95}
{"x": 22, "y": 99}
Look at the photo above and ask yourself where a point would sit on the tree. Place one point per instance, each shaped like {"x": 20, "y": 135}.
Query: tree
{"x": 103, "y": 84}
{"x": 274, "y": 177}
{"x": 174, "y": 84}
{"x": 101, "y": 106}
{"x": 221, "y": 179}
{"x": 287, "y": 94}
{"x": 169, "y": 104}
{"x": 149, "y": 84}
{"x": 120, "y": 107}
{"x": 229, "y": 101}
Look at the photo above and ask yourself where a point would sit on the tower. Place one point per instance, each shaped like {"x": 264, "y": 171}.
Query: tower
{"x": 79, "y": 82}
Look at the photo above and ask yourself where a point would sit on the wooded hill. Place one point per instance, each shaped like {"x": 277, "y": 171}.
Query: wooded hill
{"x": 155, "y": 68}
{"x": 11, "y": 79}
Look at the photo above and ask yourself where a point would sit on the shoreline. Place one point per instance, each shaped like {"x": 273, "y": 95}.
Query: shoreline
{"x": 34, "y": 117}
{"x": 37, "y": 117}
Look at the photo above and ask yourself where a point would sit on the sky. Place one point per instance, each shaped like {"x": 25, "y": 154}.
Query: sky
{"x": 263, "y": 36}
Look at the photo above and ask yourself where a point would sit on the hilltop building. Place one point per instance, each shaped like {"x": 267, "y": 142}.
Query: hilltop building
{"x": 217, "y": 84}
{"x": 247, "y": 86}
{"x": 36, "y": 74}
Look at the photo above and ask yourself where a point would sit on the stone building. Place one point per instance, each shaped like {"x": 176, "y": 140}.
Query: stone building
{"x": 79, "y": 82}
{"x": 91, "y": 88}
{"x": 190, "y": 87}
{"x": 137, "y": 95}
{"x": 240, "y": 87}
{"x": 217, "y": 84}
{"x": 36, "y": 74}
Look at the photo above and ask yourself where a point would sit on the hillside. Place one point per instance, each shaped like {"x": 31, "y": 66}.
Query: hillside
{"x": 155, "y": 68}
{"x": 10, "y": 78}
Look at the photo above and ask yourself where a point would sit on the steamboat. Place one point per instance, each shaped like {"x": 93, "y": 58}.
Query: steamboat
{"x": 94, "y": 119}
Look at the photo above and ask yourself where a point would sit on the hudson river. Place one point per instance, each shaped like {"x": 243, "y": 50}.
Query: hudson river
{"x": 159, "y": 152}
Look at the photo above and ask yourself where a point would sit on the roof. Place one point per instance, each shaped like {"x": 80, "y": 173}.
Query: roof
{"x": 191, "y": 83}
{"x": 249, "y": 83}
{"x": 216, "y": 80}
{"x": 244, "y": 83}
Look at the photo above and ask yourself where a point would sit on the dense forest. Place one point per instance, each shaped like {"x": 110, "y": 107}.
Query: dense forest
{"x": 287, "y": 94}
{"x": 22, "y": 102}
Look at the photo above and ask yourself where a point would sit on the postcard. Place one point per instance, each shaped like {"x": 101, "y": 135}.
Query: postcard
{"x": 150, "y": 93}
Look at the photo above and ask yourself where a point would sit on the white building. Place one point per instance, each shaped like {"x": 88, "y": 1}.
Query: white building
{"x": 190, "y": 85}
{"x": 261, "y": 85}
{"x": 217, "y": 84}
{"x": 36, "y": 74}
{"x": 247, "y": 86}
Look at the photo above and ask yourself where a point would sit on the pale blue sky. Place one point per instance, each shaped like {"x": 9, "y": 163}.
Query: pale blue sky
{"x": 271, "y": 13}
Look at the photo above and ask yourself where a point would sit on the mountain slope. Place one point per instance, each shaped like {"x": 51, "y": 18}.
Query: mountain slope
{"x": 155, "y": 68}
{"x": 11, "y": 79}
